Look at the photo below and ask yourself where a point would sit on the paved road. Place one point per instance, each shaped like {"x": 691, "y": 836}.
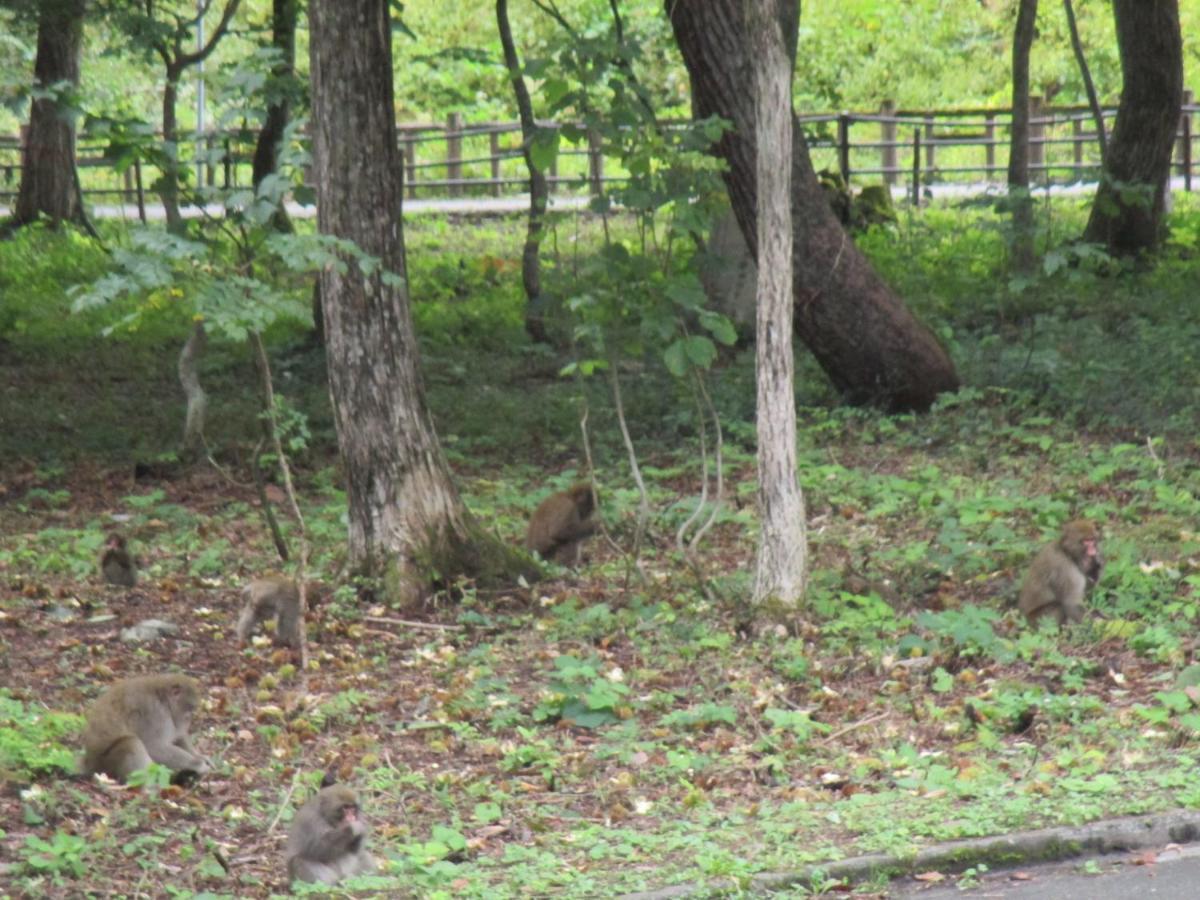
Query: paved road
{"x": 1171, "y": 874}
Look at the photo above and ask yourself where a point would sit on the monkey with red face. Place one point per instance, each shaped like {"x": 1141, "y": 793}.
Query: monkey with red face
{"x": 1062, "y": 574}
{"x": 327, "y": 841}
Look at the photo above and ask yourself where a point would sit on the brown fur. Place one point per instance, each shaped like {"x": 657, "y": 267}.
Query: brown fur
{"x": 142, "y": 720}
{"x": 560, "y": 524}
{"x": 116, "y": 565}
{"x": 265, "y": 598}
{"x": 1062, "y": 573}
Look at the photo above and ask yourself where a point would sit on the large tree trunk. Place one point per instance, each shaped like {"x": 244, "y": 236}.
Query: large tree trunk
{"x": 868, "y": 343}
{"x": 406, "y": 518}
{"x": 1018, "y": 147}
{"x": 48, "y": 164}
{"x": 531, "y": 263}
{"x": 1139, "y": 155}
{"x": 780, "y": 571}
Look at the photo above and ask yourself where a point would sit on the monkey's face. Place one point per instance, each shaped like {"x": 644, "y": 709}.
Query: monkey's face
{"x": 1081, "y": 542}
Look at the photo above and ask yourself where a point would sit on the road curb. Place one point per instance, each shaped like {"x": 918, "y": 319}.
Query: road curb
{"x": 1179, "y": 826}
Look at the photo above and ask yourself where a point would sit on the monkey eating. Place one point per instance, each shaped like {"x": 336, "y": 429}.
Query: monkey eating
{"x": 265, "y": 598}
{"x": 1062, "y": 573}
{"x": 116, "y": 565}
{"x": 142, "y": 720}
{"x": 560, "y": 523}
{"x": 327, "y": 840}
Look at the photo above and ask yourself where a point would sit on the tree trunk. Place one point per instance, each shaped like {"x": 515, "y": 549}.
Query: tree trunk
{"x": 531, "y": 264}
{"x": 284, "y": 16}
{"x": 780, "y": 574}
{"x": 1089, "y": 86}
{"x": 1018, "y": 149}
{"x": 197, "y": 400}
{"x": 48, "y": 164}
{"x": 407, "y": 521}
{"x": 168, "y": 187}
{"x": 868, "y": 343}
{"x": 1127, "y": 214}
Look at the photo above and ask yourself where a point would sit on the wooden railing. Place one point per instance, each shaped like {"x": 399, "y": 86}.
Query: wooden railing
{"x": 914, "y": 148}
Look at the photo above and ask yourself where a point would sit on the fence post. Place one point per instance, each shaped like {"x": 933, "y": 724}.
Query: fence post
{"x": 408, "y": 154}
{"x": 227, "y": 164}
{"x": 1077, "y": 145}
{"x": 595, "y": 163}
{"x": 887, "y": 139}
{"x": 930, "y": 150}
{"x": 989, "y": 146}
{"x": 844, "y": 147}
{"x": 1179, "y": 140}
{"x": 916, "y": 167}
{"x": 1187, "y": 150}
{"x": 454, "y": 124}
{"x": 1037, "y": 137}
{"x": 494, "y": 151}
{"x": 141, "y": 191}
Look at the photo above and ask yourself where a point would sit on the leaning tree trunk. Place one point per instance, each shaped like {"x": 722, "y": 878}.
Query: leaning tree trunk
{"x": 1018, "y": 148}
{"x": 868, "y": 343}
{"x": 406, "y": 518}
{"x": 48, "y": 164}
{"x": 780, "y": 570}
{"x": 1139, "y": 154}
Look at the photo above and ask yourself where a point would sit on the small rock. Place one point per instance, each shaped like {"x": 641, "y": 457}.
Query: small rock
{"x": 149, "y": 630}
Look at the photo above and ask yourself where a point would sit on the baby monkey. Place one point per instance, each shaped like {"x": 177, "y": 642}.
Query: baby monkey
{"x": 327, "y": 841}
{"x": 277, "y": 598}
{"x": 1062, "y": 573}
{"x": 116, "y": 565}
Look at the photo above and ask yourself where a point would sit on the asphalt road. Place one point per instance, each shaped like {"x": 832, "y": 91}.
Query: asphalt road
{"x": 1172, "y": 873}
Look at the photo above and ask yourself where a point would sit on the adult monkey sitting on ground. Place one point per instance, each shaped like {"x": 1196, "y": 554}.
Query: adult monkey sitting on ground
{"x": 1062, "y": 573}
{"x": 142, "y": 720}
{"x": 561, "y": 522}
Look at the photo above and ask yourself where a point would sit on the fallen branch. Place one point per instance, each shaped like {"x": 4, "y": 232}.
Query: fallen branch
{"x": 408, "y": 623}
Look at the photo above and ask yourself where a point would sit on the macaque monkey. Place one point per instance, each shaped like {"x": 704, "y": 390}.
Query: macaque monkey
{"x": 116, "y": 564}
{"x": 1061, "y": 574}
{"x": 327, "y": 841}
{"x": 560, "y": 523}
{"x": 265, "y": 598}
{"x": 142, "y": 720}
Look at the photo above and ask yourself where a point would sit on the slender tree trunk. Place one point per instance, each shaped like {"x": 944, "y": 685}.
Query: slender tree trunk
{"x": 407, "y": 521}
{"x": 197, "y": 400}
{"x": 1085, "y": 73}
{"x": 48, "y": 163}
{"x": 531, "y": 265}
{"x": 1018, "y": 150}
{"x": 168, "y": 190}
{"x": 1127, "y": 214}
{"x": 284, "y": 17}
{"x": 780, "y": 574}
{"x": 870, "y": 346}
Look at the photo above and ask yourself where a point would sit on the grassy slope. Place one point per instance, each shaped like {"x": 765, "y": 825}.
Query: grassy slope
{"x": 713, "y": 755}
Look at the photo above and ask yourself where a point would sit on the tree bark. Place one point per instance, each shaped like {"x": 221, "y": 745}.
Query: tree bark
{"x": 1127, "y": 214}
{"x": 407, "y": 521}
{"x": 284, "y": 16}
{"x": 531, "y": 265}
{"x": 48, "y": 163}
{"x": 1018, "y": 149}
{"x": 870, "y": 346}
{"x": 782, "y": 550}
{"x": 1089, "y": 86}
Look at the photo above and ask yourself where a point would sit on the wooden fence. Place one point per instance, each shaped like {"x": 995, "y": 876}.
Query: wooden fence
{"x": 914, "y": 148}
